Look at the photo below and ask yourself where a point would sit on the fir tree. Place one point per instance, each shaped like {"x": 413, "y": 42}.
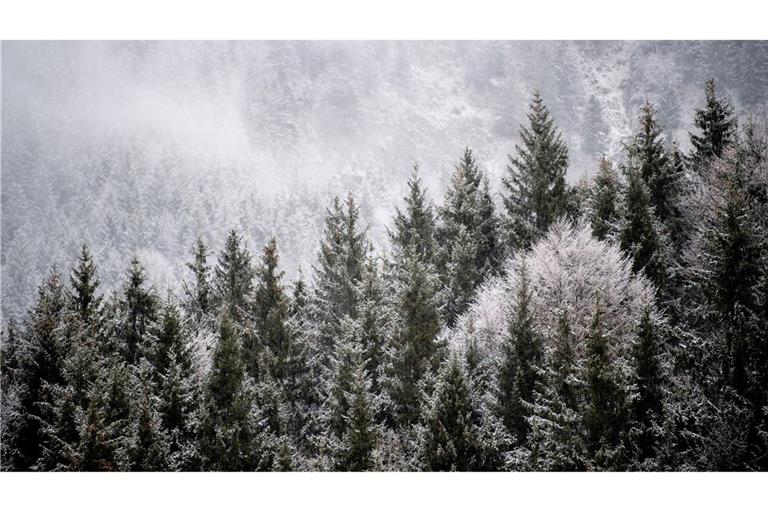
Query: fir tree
{"x": 603, "y": 211}
{"x": 452, "y": 439}
{"x": 148, "y": 443}
{"x": 138, "y": 310}
{"x": 595, "y": 129}
{"x": 647, "y": 405}
{"x": 521, "y": 356}
{"x": 417, "y": 224}
{"x": 227, "y": 430}
{"x": 467, "y": 234}
{"x": 717, "y": 125}
{"x": 85, "y": 299}
{"x": 606, "y": 409}
{"x": 648, "y": 154}
{"x": 535, "y": 188}
{"x": 374, "y": 319}
{"x": 270, "y": 316}
{"x": 341, "y": 259}
{"x": 414, "y": 350}
{"x": 233, "y": 278}
{"x": 640, "y": 234}
{"x": 198, "y": 295}
{"x": 557, "y": 433}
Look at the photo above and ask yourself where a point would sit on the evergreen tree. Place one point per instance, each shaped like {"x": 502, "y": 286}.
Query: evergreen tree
{"x": 227, "y": 430}
{"x": 414, "y": 350}
{"x": 374, "y": 318}
{"x": 453, "y": 437}
{"x": 138, "y": 310}
{"x": 606, "y": 409}
{"x": 178, "y": 407}
{"x": 535, "y": 187}
{"x": 85, "y": 299}
{"x": 717, "y": 124}
{"x": 467, "y": 234}
{"x": 341, "y": 259}
{"x": 648, "y": 154}
{"x": 417, "y": 225}
{"x": 270, "y": 316}
{"x": 521, "y": 356}
{"x": 640, "y": 234}
{"x": 604, "y": 211}
{"x": 233, "y": 278}
{"x": 198, "y": 295}
{"x": 557, "y": 433}
{"x": 148, "y": 443}
{"x": 649, "y": 385}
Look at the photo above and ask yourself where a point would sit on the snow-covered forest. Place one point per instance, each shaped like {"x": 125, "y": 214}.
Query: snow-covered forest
{"x": 560, "y": 267}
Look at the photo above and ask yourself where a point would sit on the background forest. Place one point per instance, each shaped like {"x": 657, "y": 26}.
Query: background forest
{"x": 525, "y": 321}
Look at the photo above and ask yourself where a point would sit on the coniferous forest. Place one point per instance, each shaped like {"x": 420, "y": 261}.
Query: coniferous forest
{"x": 616, "y": 323}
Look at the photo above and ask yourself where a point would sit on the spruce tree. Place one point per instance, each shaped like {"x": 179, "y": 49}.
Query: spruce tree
{"x": 233, "y": 278}
{"x": 198, "y": 294}
{"x": 557, "y": 434}
{"x": 414, "y": 350}
{"x": 605, "y": 417}
{"x": 84, "y": 281}
{"x": 453, "y": 435}
{"x": 148, "y": 443}
{"x": 647, "y": 404}
{"x": 604, "y": 207}
{"x": 717, "y": 125}
{"x": 649, "y": 155}
{"x": 640, "y": 234}
{"x": 595, "y": 129}
{"x": 467, "y": 234}
{"x": 339, "y": 269}
{"x": 227, "y": 429}
{"x": 535, "y": 188}
{"x": 138, "y": 310}
{"x": 521, "y": 356}
{"x": 374, "y": 318}
{"x": 417, "y": 224}
{"x": 270, "y": 316}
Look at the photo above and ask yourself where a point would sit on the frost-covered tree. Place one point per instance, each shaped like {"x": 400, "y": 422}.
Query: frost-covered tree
{"x": 535, "y": 191}
{"x": 521, "y": 352}
{"x": 85, "y": 283}
{"x": 270, "y": 317}
{"x": 138, "y": 310}
{"x": 557, "y": 438}
{"x": 416, "y": 224}
{"x": 455, "y": 430}
{"x": 227, "y": 427}
{"x": 717, "y": 126}
{"x": 467, "y": 234}
{"x": 233, "y": 278}
{"x": 148, "y": 443}
{"x": 339, "y": 269}
{"x": 641, "y": 235}
{"x": 415, "y": 349}
{"x": 198, "y": 293}
{"x": 604, "y": 204}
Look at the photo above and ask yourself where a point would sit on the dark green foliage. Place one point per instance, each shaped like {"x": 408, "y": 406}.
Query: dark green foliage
{"x": 227, "y": 428}
{"x": 605, "y": 416}
{"x": 535, "y": 188}
{"x": 84, "y": 296}
{"x": 270, "y": 317}
{"x": 138, "y": 309}
{"x": 417, "y": 224}
{"x": 198, "y": 294}
{"x": 455, "y": 426}
{"x": 717, "y": 125}
{"x": 604, "y": 207}
{"x": 467, "y": 236}
{"x": 233, "y": 278}
{"x": 521, "y": 356}
{"x": 640, "y": 233}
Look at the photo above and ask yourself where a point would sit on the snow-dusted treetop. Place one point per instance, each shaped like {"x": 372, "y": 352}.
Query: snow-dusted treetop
{"x": 566, "y": 269}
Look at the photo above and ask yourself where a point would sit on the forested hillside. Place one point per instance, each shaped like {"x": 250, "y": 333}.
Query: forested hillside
{"x": 138, "y": 148}
{"x": 512, "y": 322}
